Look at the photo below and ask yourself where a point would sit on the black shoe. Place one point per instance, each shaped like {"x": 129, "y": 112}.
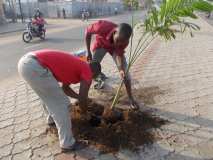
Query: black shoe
{"x": 103, "y": 76}
{"x": 76, "y": 146}
{"x": 99, "y": 85}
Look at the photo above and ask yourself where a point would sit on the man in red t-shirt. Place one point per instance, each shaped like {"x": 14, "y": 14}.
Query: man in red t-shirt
{"x": 43, "y": 70}
{"x": 113, "y": 39}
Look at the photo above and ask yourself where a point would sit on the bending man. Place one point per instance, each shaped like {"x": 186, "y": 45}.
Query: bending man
{"x": 43, "y": 70}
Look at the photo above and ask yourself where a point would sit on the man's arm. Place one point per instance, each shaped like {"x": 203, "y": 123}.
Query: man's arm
{"x": 95, "y": 28}
{"x": 120, "y": 62}
{"x": 69, "y": 92}
{"x": 83, "y": 95}
{"x": 88, "y": 43}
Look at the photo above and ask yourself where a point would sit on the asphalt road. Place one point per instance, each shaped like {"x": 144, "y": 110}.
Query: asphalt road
{"x": 66, "y": 38}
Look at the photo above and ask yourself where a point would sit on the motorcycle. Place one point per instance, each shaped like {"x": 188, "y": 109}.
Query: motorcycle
{"x": 33, "y": 31}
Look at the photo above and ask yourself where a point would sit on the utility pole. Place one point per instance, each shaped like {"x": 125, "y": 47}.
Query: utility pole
{"x": 2, "y": 16}
{"x": 13, "y": 12}
{"x": 29, "y": 9}
{"x": 20, "y": 8}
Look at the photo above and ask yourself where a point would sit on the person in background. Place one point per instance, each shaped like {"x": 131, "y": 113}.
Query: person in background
{"x": 38, "y": 13}
{"x": 39, "y": 22}
{"x": 116, "y": 10}
{"x": 64, "y": 13}
{"x": 209, "y": 14}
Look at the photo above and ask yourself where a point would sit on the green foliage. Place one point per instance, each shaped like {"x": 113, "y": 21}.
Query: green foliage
{"x": 161, "y": 22}
{"x": 173, "y": 12}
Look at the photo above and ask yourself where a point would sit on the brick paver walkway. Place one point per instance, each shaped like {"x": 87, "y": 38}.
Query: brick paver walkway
{"x": 180, "y": 76}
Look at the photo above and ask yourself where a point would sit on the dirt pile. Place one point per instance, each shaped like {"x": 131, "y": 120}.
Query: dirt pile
{"x": 129, "y": 132}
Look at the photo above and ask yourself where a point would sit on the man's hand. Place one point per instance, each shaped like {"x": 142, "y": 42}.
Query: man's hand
{"x": 69, "y": 92}
{"x": 89, "y": 56}
{"x": 122, "y": 74}
{"x": 119, "y": 61}
{"x": 83, "y": 111}
{"x": 85, "y": 116}
{"x": 88, "y": 42}
{"x": 83, "y": 95}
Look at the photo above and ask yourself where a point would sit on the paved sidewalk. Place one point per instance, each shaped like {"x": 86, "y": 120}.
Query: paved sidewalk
{"x": 209, "y": 20}
{"x": 12, "y": 27}
{"x": 178, "y": 78}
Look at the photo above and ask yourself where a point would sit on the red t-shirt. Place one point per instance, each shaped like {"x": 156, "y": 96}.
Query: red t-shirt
{"x": 65, "y": 67}
{"x": 38, "y": 21}
{"x": 104, "y": 30}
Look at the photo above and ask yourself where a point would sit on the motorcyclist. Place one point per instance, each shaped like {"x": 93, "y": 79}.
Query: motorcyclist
{"x": 39, "y": 22}
{"x": 85, "y": 15}
{"x": 38, "y": 13}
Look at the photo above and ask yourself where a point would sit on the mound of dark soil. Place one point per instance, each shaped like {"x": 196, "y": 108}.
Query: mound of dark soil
{"x": 131, "y": 131}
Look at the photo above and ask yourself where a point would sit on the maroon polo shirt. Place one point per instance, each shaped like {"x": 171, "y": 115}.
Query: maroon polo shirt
{"x": 104, "y": 31}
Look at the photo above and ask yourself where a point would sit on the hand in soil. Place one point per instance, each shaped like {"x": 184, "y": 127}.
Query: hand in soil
{"x": 134, "y": 105}
{"x": 89, "y": 101}
{"x": 87, "y": 117}
{"x": 107, "y": 113}
{"x": 112, "y": 115}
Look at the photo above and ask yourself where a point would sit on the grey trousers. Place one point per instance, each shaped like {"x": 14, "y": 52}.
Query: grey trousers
{"x": 56, "y": 102}
{"x": 99, "y": 54}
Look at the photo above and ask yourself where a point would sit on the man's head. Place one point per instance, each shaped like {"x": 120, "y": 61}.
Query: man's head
{"x": 122, "y": 34}
{"x": 96, "y": 68}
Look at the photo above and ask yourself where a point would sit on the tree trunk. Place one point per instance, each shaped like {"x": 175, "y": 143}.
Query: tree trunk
{"x": 2, "y": 17}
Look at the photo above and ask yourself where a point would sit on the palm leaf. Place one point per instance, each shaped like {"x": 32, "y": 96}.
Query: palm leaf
{"x": 172, "y": 13}
{"x": 160, "y": 22}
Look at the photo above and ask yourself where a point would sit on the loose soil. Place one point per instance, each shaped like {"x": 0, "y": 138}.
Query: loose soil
{"x": 130, "y": 131}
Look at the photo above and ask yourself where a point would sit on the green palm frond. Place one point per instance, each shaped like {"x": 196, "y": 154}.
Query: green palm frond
{"x": 160, "y": 22}
{"x": 173, "y": 12}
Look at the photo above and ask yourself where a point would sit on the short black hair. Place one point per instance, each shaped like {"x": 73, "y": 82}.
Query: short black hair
{"x": 95, "y": 67}
{"x": 125, "y": 30}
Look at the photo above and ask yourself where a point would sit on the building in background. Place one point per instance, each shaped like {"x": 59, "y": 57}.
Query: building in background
{"x": 72, "y": 8}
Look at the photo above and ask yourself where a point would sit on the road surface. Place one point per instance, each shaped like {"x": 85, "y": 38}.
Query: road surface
{"x": 69, "y": 37}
